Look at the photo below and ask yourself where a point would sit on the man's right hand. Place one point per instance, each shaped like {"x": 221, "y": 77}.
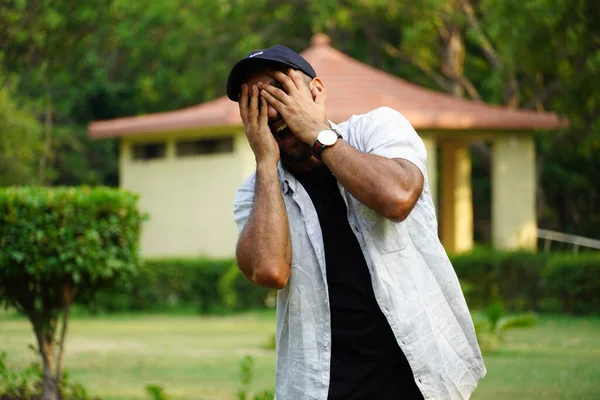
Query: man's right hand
{"x": 262, "y": 142}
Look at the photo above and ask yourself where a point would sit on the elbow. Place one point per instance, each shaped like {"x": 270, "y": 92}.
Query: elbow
{"x": 399, "y": 206}
{"x": 271, "y": 275}
{"x": 266, "y": 272}
{"x": 272, "y": 278}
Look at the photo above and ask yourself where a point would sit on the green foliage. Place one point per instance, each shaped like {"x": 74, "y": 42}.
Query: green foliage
{"x": 512, "y": 276}
{"x": 202, "y": 285}
{"x": 490, "y": 329}
{"x": 575, "y": 281}
{"x": 523, "y": 280}
{"x": 156, "y": 392}
{"x": 271, "y": 342}
{"x": 60, "y": 245}
{"x": 20, "y": 138}
{"x": 52, "y": 239}
{"x": 83, "y": 61}
{"x": 18, "y": 385}
{"x": 237, "y": 293}
{"x": 545, "y": 282}
{"x": 246, "y": 376}
{"x": 26, "y": 384}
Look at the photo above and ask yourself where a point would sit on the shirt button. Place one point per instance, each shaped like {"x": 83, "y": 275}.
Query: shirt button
{"x": 324, "y": 381}
{"x": 326, "y": 344}
{"x": 315, "y": 366}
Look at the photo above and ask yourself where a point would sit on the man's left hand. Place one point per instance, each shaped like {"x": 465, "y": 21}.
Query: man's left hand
{"x": 302, "y": 109}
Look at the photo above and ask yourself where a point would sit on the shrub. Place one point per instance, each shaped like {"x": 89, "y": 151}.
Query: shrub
{"x": 575, "y": 282}
{"x": 200, "y": 284}
{"x": 246, "y": 377}
{"x": 546, "y": 282}
{"x": 491, "y": 328}
{"x": 525, "y": 281}
{"x": 60, "y": 245}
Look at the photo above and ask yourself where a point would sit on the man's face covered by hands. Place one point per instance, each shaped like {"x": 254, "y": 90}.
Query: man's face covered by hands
{"x": 292, "y": 149}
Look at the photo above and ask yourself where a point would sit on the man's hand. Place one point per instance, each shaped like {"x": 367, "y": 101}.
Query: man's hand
{"x": 302, "y": 109}
{"x": 259, "y": 135}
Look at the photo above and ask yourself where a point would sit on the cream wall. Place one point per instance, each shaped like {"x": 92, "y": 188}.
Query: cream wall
{"x": 514, "y": 220}
{"x": 189, "y": 199}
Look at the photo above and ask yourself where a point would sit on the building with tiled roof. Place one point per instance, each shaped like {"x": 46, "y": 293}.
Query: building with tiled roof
{"x": 187, "y": 164}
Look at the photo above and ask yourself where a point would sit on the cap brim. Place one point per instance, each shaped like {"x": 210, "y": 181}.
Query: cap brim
{"x": 238, "y": 72}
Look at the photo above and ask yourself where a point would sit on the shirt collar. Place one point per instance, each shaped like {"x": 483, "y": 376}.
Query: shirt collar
{"x": 287, "y": 179}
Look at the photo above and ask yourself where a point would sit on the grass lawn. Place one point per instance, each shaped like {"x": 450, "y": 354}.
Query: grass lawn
{"x": 196, "y": 357}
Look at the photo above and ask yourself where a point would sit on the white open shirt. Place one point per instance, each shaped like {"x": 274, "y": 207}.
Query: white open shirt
{"x": 414, "y": 282}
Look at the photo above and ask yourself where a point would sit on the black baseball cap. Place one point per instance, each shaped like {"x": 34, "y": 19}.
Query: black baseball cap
{"x": 275, "y": 54}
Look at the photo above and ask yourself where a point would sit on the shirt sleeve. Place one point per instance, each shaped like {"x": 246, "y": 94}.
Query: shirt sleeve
{"x": 243, "y": 203}
{"x": 388, "y": 134}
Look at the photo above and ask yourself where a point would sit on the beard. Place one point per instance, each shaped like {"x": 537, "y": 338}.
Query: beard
{"x": 292, "y": 150}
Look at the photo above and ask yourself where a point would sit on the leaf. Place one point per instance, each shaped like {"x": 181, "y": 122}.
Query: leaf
{"x": 518, "y": 321}
{"x": 18, "y": 256}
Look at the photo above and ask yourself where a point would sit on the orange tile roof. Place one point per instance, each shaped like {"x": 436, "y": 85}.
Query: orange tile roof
{"x": 352, "y": 88}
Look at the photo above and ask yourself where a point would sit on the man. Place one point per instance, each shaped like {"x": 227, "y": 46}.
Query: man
{"x": 340, "y": 220}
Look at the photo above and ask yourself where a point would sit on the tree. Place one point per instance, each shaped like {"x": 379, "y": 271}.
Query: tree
{"x": 20, "y": 139}
{"x": 129, "y": 58}
{"x": 33, "y": 38}
{"x": 541, "y": 54}
{"x": 60, "y": 246}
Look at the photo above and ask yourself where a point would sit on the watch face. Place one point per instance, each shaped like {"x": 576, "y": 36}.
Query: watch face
{"x": 327, "y": 137}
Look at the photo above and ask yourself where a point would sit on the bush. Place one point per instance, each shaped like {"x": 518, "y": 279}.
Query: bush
{"x": 202, "y": 285}
{"x": 60, "y": 245}
{"x": 575, "y": 282}
{"x": 545, "y": 282}
{"x": 525, "y": 281}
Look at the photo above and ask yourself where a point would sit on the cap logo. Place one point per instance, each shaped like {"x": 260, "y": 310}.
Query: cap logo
{"x": 256, "y": 54}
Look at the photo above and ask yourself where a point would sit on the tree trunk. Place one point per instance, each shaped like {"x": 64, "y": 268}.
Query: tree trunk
{"x": 511, "y": 90}
{"x": 47, "y": 151}
{"x": 454, "y": 59}
{"x": 68, "y": 296}
{"x": 46, "y": 348}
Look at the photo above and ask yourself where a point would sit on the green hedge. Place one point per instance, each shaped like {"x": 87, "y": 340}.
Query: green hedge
{"x": 543, "y": 282}
{"x": 201, "y": 285}
{"x": 575, "y": 282}
{"x": 525, "y": 282}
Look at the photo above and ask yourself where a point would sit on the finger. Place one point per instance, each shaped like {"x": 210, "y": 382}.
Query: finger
{"x": 275, "y": 92}
{"x": 243, "y": 103}
{"x": 253, "y": 113}
{"x": 263, "y": 117}
{"x": 274, "y": 101}
{"x": 286, "y": 81}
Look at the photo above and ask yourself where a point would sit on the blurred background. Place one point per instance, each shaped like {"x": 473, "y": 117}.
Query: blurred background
{"x": 66, "y": 63}
{"x": 86, "y": 88}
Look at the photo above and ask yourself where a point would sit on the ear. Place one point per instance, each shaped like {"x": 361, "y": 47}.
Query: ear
{"x": 317, "y": 88}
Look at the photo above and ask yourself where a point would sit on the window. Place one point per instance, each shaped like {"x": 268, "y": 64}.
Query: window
{"x": 204, "y": 146}
{"x": 148, "y": 151}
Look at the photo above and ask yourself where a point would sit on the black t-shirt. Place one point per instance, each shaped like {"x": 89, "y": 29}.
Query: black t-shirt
{"x": 366, "y": 361}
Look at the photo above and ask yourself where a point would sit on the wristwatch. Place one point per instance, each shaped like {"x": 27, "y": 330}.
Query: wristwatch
{"x": 324, "y": 139}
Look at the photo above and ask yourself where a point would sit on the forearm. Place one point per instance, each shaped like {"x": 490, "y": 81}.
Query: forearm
{"x": 387, "y": 186}
{"x": 264, "y": 249}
